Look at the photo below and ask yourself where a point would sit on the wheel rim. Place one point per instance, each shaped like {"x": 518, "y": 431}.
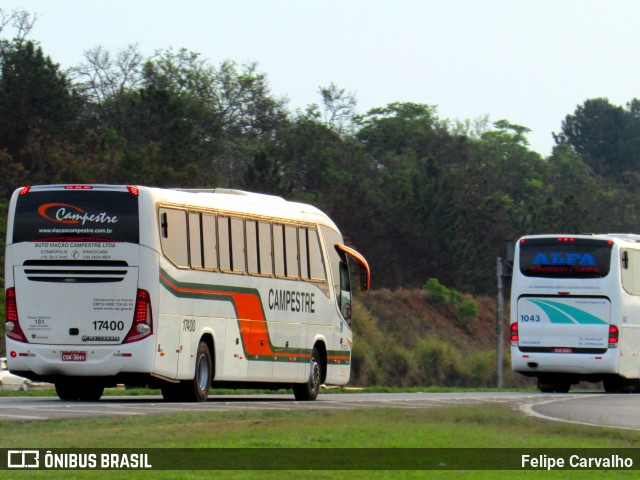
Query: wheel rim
{"x": 203, "y": 373}
{"x": 314, "y": 380}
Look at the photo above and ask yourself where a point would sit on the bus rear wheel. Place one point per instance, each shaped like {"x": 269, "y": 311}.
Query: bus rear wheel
{"x": 553, "y": 384}
{"x": 196, "y": 390}
{"x": 619, "y": 384}
{"x": 68, "y": 391}
{"x": 91, "y": 392}
{"x": 309, "y": 390}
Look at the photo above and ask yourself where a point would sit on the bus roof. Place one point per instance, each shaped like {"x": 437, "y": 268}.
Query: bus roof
{"x": 616, "y": 237}
{"x": 223, "y": 199}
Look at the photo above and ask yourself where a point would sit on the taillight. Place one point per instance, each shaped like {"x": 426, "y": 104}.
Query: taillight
{"x": 133, "y": 190}
{"x": 613, "y": 336}
{"x": 24, "y": 190}
{"x": 514, "y": 334}
{"x": 12, "y": 326}
{"x": 142, "y": 321}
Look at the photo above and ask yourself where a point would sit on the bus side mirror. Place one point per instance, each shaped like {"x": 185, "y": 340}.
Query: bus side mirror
{"x": 365, "y": 272}
{"x": 364, "y": 280}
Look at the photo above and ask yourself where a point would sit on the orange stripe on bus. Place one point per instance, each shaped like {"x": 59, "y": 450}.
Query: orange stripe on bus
{"x": 253, "y": 325}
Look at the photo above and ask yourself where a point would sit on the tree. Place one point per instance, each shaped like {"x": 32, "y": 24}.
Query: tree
{"x": 605, "y": 135}
{"x": 103, "y": 76}
{"x": 37, "y": 105}
{"x": 339, "y": 108}
{"x": 398, "y": 127}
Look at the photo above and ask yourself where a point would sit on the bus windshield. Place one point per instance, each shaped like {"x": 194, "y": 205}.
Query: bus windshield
{"x": 72, "y": 215}
{"x": 565, "y": 257}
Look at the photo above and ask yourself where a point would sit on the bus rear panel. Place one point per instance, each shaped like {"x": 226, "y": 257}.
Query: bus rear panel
{"x": 72, "y": 266}
{"x": 566, "y": 310}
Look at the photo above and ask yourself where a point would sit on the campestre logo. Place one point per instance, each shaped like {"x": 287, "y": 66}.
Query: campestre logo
{"x": 72, "y": 215}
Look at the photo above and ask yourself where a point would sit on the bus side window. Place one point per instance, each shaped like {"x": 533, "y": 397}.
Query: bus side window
{"x": 210, "y": 242}
{"x": 173, "y": 240}
{"x": 316, "y": 262}
{"x": 224, "y": 242}
{"x": 253, "y": 251}
{"x": 279, "y": 260}
{"x": 303, "y": 243}
{"x": 237, "y": 245}
{"x": 265, "y": 246}
{"x": 195, "y": 240}
{"x": 291, "y": 251}
{"x": 631, "y": 271}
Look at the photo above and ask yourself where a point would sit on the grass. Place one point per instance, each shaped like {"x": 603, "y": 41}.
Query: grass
{"x": 47, "y": 392}
{"x": 438, "y": 427}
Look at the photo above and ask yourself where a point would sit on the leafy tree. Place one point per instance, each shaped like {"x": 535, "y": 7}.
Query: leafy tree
{"x": 398, "y": 127}
{"x": 37, "y": 107}
{"x": 605, "y": 135}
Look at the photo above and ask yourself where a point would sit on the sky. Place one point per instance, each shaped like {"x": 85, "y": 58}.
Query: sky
{"x": 531, "y": 62}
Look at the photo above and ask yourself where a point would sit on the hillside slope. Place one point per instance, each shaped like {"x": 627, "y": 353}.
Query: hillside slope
{"x": 405, "y": 338}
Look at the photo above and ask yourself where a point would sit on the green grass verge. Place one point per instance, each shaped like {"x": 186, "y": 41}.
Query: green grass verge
{"x": 439, "y": 427}
{"x": 214, "y": 392}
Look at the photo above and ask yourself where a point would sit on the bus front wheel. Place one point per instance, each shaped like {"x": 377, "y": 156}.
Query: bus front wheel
{"x": 310, "y": 389}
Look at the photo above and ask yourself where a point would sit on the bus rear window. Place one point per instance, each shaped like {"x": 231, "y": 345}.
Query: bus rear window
{"x": 76, "y": 214}
{"x": 565, "y": 258}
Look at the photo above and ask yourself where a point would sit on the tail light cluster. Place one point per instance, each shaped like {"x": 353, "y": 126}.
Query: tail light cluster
{"x": 12, "y": 326}
{"x": 142, "y": 321}
{"x": 514, "y": 334}
{"x": 613, "y": 336}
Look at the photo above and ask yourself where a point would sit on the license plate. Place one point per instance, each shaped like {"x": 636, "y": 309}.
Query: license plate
{"x": 563, "y": 350}
{"x": 74, "y": 356}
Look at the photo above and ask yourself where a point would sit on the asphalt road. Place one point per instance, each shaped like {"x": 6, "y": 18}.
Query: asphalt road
{"x": 588, "y": 408}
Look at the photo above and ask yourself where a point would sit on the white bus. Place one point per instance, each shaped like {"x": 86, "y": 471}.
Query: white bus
{"x": 575, "y": 311}
{"x": 178, "y": 290}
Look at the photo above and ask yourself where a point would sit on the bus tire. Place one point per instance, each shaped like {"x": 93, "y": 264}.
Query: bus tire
{"x": 91, "y": 393}
{"x": 553, "y": 384}
{"x": 611, "y": 384}
{"x": 67, "y": 391}
{"x": 197, "y": 390}
{"x": 309, "y": 390}
{"x": 171, "y": 392}
{"x": 630, "y": 385}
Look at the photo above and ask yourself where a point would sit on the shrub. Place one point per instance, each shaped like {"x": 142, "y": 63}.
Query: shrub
{"x": 438, "y": 293}
{"x": 439, "y": 363}
{"x": 467, "y": 309}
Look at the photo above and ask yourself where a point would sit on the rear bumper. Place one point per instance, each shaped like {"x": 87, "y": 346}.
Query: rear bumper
{"x": 42, "y": 362}
{"x": 574, "y": 363}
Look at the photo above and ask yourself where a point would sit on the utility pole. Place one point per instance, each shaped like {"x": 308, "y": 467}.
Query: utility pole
{"x": 504, "y": 269}
{"x": 500, "y": 324}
